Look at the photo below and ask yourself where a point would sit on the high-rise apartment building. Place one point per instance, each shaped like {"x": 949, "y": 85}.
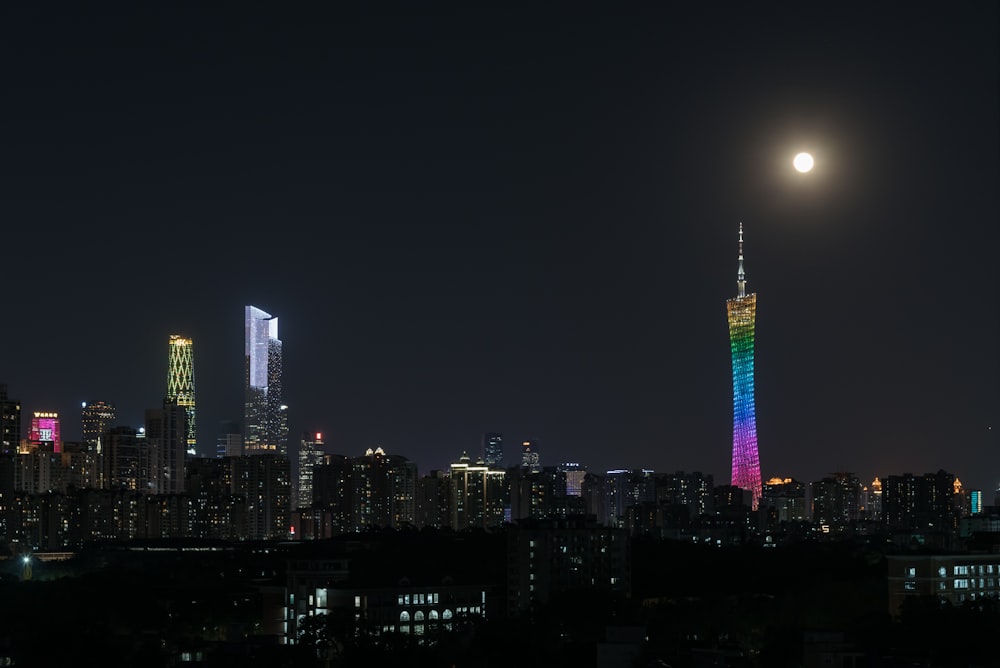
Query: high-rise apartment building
{"x": 265, "y": 427}
{"x": 477, "y": 495}
{"x": 10, "y": 422}
{"x": 96, "y": 417}
{"x": 180, "y": 384}
{"x": 742, "y": 313}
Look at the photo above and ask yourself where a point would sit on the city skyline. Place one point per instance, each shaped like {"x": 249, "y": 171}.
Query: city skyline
{"x": 474, "y": 222}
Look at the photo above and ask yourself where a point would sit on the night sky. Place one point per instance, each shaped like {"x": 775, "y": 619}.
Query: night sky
{"x": 479, "y": 217}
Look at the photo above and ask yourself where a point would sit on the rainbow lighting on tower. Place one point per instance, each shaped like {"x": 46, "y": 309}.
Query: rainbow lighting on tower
{"x": 742, "y": 312}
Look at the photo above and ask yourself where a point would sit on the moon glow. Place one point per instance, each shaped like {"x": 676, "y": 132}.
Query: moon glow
{"x": 803, "y": 162}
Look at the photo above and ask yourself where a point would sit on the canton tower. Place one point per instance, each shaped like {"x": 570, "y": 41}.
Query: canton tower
{"x": 742, "y": 311}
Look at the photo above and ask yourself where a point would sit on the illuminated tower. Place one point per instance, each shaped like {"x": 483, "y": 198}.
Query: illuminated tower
{"x": 45, "y": 432}
{"x": 265, "y": 427}
{"x": 742, "y": 311}
{"x": 180, "y": 383}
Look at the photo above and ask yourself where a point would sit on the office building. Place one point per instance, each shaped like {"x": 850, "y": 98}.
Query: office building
{"x": 125, "y": 464}
{"x": 952, "y": 579}
{"x": 44, "y": 434}
{"x": 575, "y": 473}
{"x": 229, "y": 442}
{"x": 166, "y": 442}
{"x": 265, "y": 429}
{"x": 742, "y": 313}
{"x": 310, "y": 454}
{"x": 96, "y": 417}
{"x": 180, "y": 384}
{"x": 493, "y": 449}
{"x": 529, "y": 456}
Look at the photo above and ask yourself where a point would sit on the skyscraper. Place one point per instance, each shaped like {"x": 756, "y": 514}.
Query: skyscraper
{"x": 265, "y": 429}
{"x": 96, "y": 417}
{"x": 166, "y": 443}
{"x": 529, "y": 456}
{"x": 493, "y": 448}
{"x": 742, "y": 313}
{"x": 10, "y": 422}
{"x": 180, "y": 383}
{"x": 45, "y": 432}
{"x": 311, "y": 453}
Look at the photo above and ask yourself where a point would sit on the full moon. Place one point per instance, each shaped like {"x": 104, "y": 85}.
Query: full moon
{"x": 803, "y": 162}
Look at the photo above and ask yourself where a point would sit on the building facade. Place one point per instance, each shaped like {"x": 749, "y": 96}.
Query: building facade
{"x": 310, "y": 453}
{"x": 45, "y": 432}
{"x": 166, "y": 442}
{"x": 97, "y": 417}
{"x": 742, "y": 313}
{"x": 493, "y": 449}
{"x": 265, "y": 428}
{"x": 180, "y": 384}
{"x": 10, "y": 422}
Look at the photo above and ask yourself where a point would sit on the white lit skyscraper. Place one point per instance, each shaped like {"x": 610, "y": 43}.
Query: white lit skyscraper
{"x": 180, "y": 383}
{"x": 265, "y": 429}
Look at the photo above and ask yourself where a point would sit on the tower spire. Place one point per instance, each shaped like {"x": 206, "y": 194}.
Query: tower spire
{"x": 741, "y": 278}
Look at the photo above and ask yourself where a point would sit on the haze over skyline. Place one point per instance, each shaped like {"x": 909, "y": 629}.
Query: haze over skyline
{"x": 470, "y": 219}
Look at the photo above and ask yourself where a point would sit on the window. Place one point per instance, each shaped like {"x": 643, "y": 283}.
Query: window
{"x": 911, "y": 572}
{"x": 404, "y": 616}
{"x": 961, "y": 570}
{"x": 910, "y": 585}
{"x": 942, "y": 572}
{"x": 961, "y": 584}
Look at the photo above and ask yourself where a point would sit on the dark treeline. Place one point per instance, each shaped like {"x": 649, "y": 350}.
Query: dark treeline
{"x": 695, "y": 606}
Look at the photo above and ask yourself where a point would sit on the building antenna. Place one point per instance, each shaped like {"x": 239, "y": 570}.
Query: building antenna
{"x": 741, "y": 278}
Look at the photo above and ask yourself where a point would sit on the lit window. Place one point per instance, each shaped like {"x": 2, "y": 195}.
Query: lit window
{"x": 911, "y": 572}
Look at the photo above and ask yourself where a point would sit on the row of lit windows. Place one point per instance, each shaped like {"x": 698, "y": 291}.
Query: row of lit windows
{"x": 418, "y": 599}
{"x": 942, "y": 572}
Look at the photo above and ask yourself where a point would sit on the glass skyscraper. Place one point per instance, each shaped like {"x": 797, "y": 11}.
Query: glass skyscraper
{"x": 265, "y": 429}
{"x": 493, "y": 449}
{"x": 742, "y": 313}
{"x": 180, "y": 383}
